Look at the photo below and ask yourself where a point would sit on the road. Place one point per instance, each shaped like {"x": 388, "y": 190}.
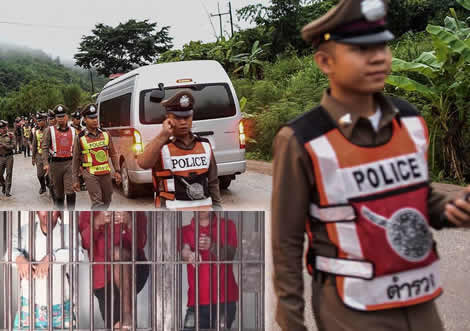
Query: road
{"x": 251, "y": 191}
{"x": 248, "y": 192}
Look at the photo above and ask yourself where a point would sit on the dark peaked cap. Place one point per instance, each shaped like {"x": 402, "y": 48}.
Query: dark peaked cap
{"x": 181, "y": 104}
{"x": 359, "y": 22}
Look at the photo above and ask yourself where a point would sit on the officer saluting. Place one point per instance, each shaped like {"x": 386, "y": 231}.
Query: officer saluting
{"x": 355, "y": 168}
{"x": 184, "y": 167}
{"x": 7, "y": 148}
{"x": 38, "y": 154}
{"x": 58, "y": 140}
{"x": 92, "y": 150}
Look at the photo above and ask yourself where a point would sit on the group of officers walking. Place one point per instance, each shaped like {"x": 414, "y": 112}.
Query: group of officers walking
{"x": 68, "y": 157}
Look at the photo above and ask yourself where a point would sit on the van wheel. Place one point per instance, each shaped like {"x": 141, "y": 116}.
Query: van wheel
{"x": 224, "y": 182}
{"x": 128, "y": 188}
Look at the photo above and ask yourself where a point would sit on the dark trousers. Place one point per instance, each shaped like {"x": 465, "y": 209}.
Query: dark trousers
{"x": 206, "y": 321}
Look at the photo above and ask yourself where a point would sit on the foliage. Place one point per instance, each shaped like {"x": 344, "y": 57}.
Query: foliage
{"x": 121, "y": 49}
{"x": 249, "y": 62}
{"x": 444, "y": 77}
{"x": 72, "y": 97}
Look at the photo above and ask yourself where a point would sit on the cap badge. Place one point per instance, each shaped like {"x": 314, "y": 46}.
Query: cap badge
{"x": 92, "y": 109}
{"x": 184, "y": 101}
{"x": 60, "y": 108}
{"x": 373, "y": 10}
{"x": 327, "y": 36}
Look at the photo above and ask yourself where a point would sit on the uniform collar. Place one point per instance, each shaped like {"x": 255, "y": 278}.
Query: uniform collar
{"x": 180, "y": 141}
{"x": 346, "y": 120}
{"x": 98, "y": 131}
{"x": 60, "y": 129}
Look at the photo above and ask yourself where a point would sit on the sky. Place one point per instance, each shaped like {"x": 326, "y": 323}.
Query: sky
{"x": 57, "y": 26}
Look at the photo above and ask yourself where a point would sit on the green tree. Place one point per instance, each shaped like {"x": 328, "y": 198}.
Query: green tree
{"x": 120, "y": 49}
{"x": 72, "y": 97}
{"x": 250, "y": 63}
{"x": 442, "y": 77}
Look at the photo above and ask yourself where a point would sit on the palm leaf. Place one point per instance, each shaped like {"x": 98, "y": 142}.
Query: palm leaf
{"x": 454, "y": 43}
{"x": 400, "y": 65}
{"x": 411, "y": 85}
{"x": 464, "y": 3}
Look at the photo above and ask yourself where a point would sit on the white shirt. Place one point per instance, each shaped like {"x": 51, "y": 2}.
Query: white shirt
{"x": 375, "y": 119}
{"x": 60, "y": 253}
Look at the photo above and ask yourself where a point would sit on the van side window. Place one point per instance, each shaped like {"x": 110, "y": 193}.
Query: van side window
{"x": 116, "y": 112}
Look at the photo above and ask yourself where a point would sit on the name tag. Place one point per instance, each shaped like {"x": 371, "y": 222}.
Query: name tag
{"x": 190, "y": 162}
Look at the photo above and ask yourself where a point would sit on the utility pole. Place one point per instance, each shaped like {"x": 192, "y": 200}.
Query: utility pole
{"x": 91, "y": 79}
{"x": 223, "y": 14}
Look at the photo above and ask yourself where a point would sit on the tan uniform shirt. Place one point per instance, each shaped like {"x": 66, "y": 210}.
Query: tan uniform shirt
{"x": 77, "y": 154}
{"x": 7, "y": 143}
{"x": 293, "y": 183}
{"x": 152, "y": 160}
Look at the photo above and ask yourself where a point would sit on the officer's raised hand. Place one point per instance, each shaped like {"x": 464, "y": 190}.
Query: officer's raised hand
{"x": 168, "y": 128}
{"x": 76, "y": 186}
{"x": 458, "y": 211}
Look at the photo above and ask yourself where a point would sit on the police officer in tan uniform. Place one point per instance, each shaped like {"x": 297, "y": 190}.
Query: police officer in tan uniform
{"x": 352, "y": 174}
{"x": 7, "y": 148}
{"x": 93, "y": 149}
{"x": 58, "y": 140}
{"x": 182, "y": 162}
{"x": 37, "y": 152}
{"x": 76, "y": 119}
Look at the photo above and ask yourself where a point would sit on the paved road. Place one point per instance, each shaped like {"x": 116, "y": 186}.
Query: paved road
{"x": 251, "y": 191}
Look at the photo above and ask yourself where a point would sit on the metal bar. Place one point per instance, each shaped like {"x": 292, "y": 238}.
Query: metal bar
{"x": 92, "y": 258}
{"x": 152, "y": 278}
{"x": 225, "y": 274}
{"x": 49, "y": 272}
{"x": 240, "y": 273}
{"x": 10, "y": 283}
{"x": 121, "y": 297}
{"x": 106, "y": 275}
{"x": 218, "y": 272}
{"x": 196, "y": 249}
{"x": 262, "y": 283}
{"x": 113, "y": 266}
{"x": 71, "y": 268}
{"x": 18, "y": 229}
{"x": 30, "y": 269}
{"x": 77, "y": 270}
{"x": 134, "y": 278}
{"x": 62, "y": 269}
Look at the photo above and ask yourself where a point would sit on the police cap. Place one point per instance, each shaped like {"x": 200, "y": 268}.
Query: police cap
{"x": 356, "y": 22}
{"x": 90, "y": 110}
{"x": 41, "y": 116}
{"x": 3, "y": 124}
{"x": 51, "y": 114}
{"x": 76, "y": 114}
{"x": 181, "y": 104}
{"x": 60, "y": 111}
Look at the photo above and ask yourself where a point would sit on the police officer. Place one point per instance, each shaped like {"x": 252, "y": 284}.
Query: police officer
{"x": 18, "y": 135}
{"x": 58, "y": 140}
{"x": 92, "y": 150}
{"x": 353, "y": 174}
{"x": 76, "y": 118}
{"x": 37, "y": 152}
{"x": 183, "y": 164}
{"x": 50, "y": 123}
{"x": 7, "y": 147}
{"x": 27, "y": 138}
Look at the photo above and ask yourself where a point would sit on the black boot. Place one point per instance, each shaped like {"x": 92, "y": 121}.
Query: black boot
{"x": 3, "y": 188}
{"x": 42, "y": 181}
{"x": 59, "y": 203}
{"x": 7, "y": 191}
{"x": 71, "y": 198}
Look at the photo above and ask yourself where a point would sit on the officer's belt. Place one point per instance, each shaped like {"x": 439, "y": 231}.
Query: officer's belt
{"x": 61, "y": 159}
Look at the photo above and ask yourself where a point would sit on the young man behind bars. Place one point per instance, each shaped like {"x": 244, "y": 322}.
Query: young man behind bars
{"x": 123, "y": 276}
{"x": 39, "y": 255}
{"x": 211, "y": 247}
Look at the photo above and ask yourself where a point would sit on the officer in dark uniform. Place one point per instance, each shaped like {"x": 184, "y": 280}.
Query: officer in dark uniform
{"x": 18, "y": 135}
{"x": 7, "y": 147}
{"x": 59, "y": 141}
{"x": 339, "y": 176}
{"x": 76, "y": 121}
{"x": 192, "y": 182}
{"x": 93, "y": 149}
{"x": 37, "y": 152}
{"x": 50, "y": 123}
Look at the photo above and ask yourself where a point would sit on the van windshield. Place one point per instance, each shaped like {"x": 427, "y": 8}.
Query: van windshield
{"x": 212, "y": 101}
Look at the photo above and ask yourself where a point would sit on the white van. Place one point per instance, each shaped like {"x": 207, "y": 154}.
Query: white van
{"x": 126, "y": 112}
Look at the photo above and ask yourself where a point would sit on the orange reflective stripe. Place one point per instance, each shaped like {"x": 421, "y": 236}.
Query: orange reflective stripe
{"x": 164, "y": 173}
{"x": 168, "y": 196}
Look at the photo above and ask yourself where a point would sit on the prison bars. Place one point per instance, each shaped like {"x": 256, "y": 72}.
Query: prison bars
{"x": 156, "y": 219}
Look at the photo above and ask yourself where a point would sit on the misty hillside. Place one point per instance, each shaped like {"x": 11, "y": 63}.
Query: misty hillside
{"x": 20, "y": 66}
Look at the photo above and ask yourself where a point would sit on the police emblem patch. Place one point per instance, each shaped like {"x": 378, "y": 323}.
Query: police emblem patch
{"x": 407, "y": 232}
{"x": 373, "y": 10}
{"x": 92, "y": 109}
{"x": 184, "y": 101}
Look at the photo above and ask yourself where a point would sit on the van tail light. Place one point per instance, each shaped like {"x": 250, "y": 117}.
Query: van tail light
{"x": 241, "y": 132}
{"x": 138, "y": 145}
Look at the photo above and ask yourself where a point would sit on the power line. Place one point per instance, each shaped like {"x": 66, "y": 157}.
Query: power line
{"x": 49, "y": 26}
